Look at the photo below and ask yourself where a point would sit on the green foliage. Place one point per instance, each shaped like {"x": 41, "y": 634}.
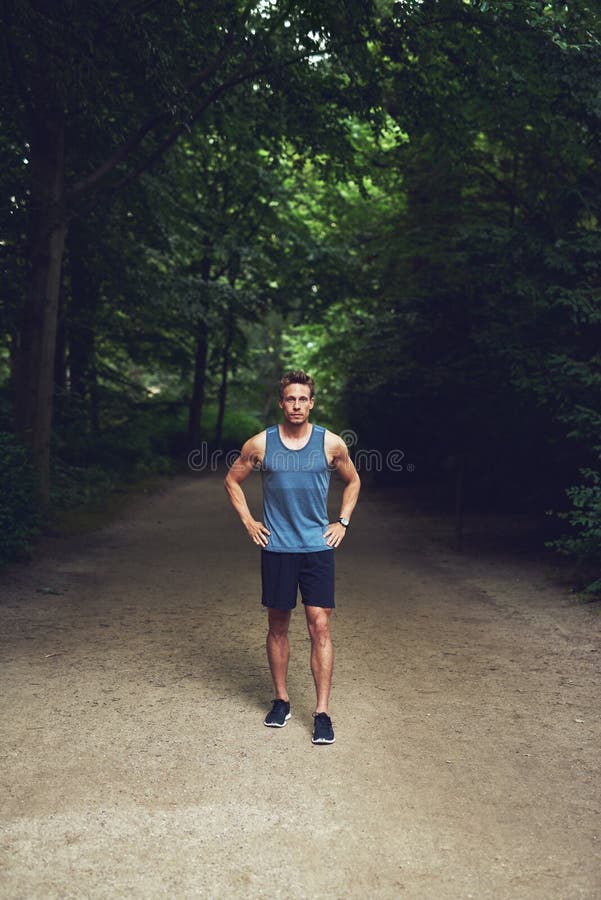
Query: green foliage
{"x": 472, "y": 328}
{"x": 403, "y": 198}
{"x": 583, "y": 542}
{"x": 135, "y": 440}
{"x": 238, "y": 426}
{"x": 314, "y": 347}
{"x": 19, "y": 520}
{"x": 80, "y": 485}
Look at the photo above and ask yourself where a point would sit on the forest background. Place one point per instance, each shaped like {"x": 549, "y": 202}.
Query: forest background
{"x": 402, "y": 198}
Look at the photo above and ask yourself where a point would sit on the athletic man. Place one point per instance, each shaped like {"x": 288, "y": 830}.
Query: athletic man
{"x": 295, "y": 537}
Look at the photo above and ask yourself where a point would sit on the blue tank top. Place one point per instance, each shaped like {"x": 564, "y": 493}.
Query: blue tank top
{"x": 295, "y": 492}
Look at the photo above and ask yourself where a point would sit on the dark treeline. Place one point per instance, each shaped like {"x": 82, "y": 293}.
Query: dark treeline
{"x": 402, "y": 198}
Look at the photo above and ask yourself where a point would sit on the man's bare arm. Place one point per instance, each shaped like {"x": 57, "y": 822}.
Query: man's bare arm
{"x": 250, "y": 457}
{"x": 338, "y": 455}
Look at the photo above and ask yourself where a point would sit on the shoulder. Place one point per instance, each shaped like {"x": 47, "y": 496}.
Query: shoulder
{"x": 334, "y": 445}
{"x": 254, "y": 448}
{"x": 337, "y": 452}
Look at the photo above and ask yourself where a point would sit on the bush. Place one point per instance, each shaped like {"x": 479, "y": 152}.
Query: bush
{"x": 72, "y": 485}
{"x": 584, "y": 541}
{"x": 238, "y": 426}
{"x": 85, "y": 468}
{"x": 132, "y": 447}
{"x": 19, "y": 513}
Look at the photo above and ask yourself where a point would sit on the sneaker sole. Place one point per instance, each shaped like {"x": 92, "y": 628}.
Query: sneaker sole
{"x": 322, "y": 741}
{"x": 277, "y": 724}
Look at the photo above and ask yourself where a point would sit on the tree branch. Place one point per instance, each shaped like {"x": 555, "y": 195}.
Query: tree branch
{"x": 173, "y": 135}
{"x": 91, "y": 180}
{"x": 505, "y": 188}
{"x": 134, "y": 141}
{"x": 239, "y": 76}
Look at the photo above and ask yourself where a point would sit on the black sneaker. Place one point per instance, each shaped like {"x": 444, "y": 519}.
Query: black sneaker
{"x": 278, "y": 715}
{"x": 323, "y": 733}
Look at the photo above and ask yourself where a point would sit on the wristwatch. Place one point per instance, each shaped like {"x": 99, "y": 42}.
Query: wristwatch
{"x": 344, "y": 522}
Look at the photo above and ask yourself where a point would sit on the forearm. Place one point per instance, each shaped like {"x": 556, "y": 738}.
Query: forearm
{"x": 238, "y": 501}
{"x": 350, "y": 495}
{"x": 256, "y": 530}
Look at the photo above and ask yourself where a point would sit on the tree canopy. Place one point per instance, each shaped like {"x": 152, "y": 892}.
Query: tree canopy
{"x": 401, "y": 197}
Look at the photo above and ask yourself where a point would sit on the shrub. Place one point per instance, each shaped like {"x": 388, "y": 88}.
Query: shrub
{"x": 133, "y": 446}
{"x": 238, "y": 426}
{"x": 19, "y": 513}
{"x": 584, "y": 541}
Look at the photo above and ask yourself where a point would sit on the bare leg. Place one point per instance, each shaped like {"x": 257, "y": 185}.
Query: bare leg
{"x": 278, "y": 650}
{"x": 322, "y": 654}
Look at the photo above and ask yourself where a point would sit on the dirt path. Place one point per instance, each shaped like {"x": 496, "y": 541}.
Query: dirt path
{"x": 135, "y": 763}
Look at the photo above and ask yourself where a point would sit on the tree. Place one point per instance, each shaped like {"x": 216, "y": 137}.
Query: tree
{"x": 124, "y": 82}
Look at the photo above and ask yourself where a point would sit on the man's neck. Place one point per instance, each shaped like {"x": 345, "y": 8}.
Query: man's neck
{"x": 295, "y": 432}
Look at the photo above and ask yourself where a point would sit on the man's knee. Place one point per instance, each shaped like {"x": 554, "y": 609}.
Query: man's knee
{"x": 278, "y": 621}
{"x": 318, "y": 621}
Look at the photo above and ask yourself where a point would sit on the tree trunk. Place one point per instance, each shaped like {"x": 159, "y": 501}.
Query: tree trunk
{"x": 200, "y": 361}
{"x": 82, "y": 329}
{"x": 225, "y": 366}
{"x": 94, "y": 398}
{"x": 13, "y": 355}
{"x": 198, "y": 391}
{"x": 60, "y": 360}
{"x": 48, "y": 230}
{"x": 60, "y": 356}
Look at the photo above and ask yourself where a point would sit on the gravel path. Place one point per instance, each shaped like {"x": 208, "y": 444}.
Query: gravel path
{"x": 135, "y": 762}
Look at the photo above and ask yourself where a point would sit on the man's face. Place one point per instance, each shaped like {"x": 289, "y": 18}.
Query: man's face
{"x": 297, "y": 403}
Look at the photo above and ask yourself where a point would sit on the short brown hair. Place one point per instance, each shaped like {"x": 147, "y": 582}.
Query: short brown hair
{"x": 297, "y": 377}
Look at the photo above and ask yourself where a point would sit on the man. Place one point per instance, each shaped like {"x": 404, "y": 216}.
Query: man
{"x": 295, "y": 537}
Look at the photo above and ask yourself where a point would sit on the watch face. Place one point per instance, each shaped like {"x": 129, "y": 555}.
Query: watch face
{"x": 344, "y": 521}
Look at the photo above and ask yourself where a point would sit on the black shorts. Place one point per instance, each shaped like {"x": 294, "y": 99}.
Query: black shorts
{"x": 283, "y": 574}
